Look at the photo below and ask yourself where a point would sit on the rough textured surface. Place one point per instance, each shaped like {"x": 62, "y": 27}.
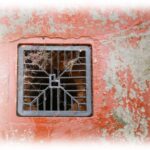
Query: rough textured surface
{"x": 120, "y": 43}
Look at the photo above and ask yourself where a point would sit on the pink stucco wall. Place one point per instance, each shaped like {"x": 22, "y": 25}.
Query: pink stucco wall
{"x": 121, "y": 72}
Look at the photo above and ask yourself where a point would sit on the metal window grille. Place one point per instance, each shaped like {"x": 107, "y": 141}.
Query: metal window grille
{"x": 54, "y": 80}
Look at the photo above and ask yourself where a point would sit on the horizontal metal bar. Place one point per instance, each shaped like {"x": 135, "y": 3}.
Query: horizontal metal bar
{"x": 27, "y": 70}
{"x": 80, "y": 77}
{"x": 37, "y": 83}
{"x": 56, "y": 48}
{"x": 36, "y": 65}
{"x": 36, "y": 77}
{"x": 55, "y": 113}
{"x": 80, "y": 97}
{"x": 73, "y": 84}
{"x": 32, "y": 90}
{"x": 82, "y": 103}
{"x": 26, "y": 103}
{"x": 75, "y": 70}
{"x": 79, "y": 64}
{"x": 29, "y": 96}
{"x": 76, "y": 90}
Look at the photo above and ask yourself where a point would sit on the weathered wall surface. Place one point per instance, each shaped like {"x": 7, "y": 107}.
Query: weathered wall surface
{"x": 120, "y": 42}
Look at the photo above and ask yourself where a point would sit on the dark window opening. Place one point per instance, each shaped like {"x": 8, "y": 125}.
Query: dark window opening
{"x": 54, "y": 80}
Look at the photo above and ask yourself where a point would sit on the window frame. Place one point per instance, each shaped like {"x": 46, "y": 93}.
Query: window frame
{"x": 21, "y": 112}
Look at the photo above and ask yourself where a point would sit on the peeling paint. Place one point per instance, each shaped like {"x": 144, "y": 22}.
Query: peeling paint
{"x": 130, "y": 125}
{"x": 137, "y": 59}
{"x": 113, "y": 16}
{"x": 132, "y": 94}
{"x": 130, "y": 13}
{"x": 52, "y": 25}
{"x": 120, "y": 70}
{"x": 125, "y": 56}
{"x": 98, "y": 16}
{"x": 26, "y": 135}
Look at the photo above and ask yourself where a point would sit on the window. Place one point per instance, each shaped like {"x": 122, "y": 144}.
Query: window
{"x": 54, "y": 80}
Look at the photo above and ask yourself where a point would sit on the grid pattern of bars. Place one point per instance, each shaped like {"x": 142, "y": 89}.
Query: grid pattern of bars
{"x": 54, "y": 81}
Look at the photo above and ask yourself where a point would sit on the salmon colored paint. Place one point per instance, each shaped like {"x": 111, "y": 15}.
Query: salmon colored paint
{"x": 120, "y": 72}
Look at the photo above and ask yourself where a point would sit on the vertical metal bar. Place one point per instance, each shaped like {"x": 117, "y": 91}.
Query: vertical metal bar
{"x": 30, "y": 105}
{"x": 20, "y": 80}
{"x": 58, "y": 63}
{"x": 71, "y": 104}
{"x": 79, "y": 107}
{"x": 65, "y": 107}
{"x": 37, "y": 104}
{"x": 58, "y": 103}
{"x": 71, "y": 55}
{"x": 88, "y": 80}
{"x": 51, "y": 63}
{"x": 51, "y": 90}
{"x": 65, "y": 59}
{"x": 51, "y": 98}
{"x": 44, "y": 101}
